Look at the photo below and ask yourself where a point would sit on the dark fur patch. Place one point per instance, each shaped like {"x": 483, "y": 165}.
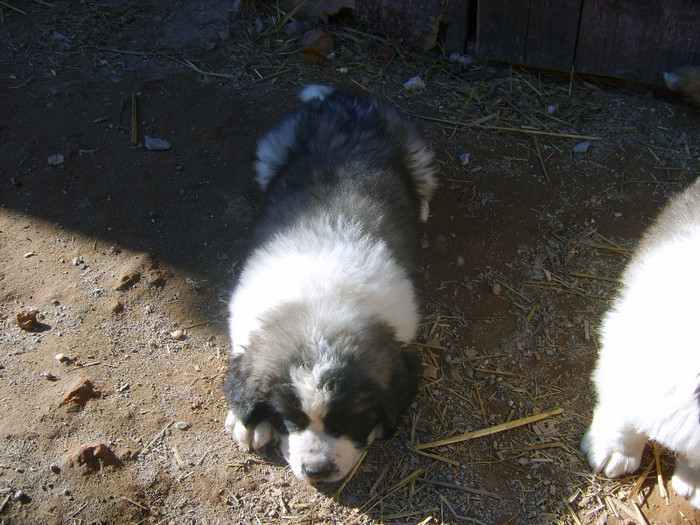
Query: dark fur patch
{"x": 348, "y": 162}
{"x": 373, "y": 382}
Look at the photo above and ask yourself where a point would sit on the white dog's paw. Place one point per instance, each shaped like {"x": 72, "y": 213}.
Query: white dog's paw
{"x": 251, "y": 438}
{"x": 424, "y": 211}
{"x": 613, "y": 456}
{"x": 686, "y": 481}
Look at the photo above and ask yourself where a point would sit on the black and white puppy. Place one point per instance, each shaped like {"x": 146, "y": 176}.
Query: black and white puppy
{"x": 326, "y": 302}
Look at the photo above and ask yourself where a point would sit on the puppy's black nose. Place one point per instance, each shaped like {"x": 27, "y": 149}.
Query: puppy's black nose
{"x": 318, "y": 471}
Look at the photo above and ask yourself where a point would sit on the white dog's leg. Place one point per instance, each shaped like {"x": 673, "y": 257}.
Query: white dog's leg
{"x": 251, "y": 438}
{"x": 686, "y": 480}
{"x": 611, "y": 446}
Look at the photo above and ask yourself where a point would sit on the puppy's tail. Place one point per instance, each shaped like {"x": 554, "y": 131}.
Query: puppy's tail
{"x": 315, "y": 91}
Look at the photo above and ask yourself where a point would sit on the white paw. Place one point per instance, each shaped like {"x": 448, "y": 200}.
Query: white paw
{"x": 251, "y": 438}
{"x": 686, "y": 482}
{"x": 424, "y": 211}
{"x": 614, "y": 456}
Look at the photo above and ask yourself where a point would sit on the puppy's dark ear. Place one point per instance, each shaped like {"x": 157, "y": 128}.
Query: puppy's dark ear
{"x": 243, "y": 392}
{"x": 401, "y": 391}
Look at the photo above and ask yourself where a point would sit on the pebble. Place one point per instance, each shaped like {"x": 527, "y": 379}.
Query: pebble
{"x": 177, "y": 334}
{"x": 465, "y": 60}
{"x": 55, "y": 160}
{"x": 79, "y": 262}
{"x": 49, "y": 376}
{"x": 80, "y": 392}
{"x": 63, "y": 358}
{"x": 117, "y": 307}
{"x": 128, "y": 280}
{"x": 91, "y": 458}
{"x": 27, "y": 319}
{"x": 181, "y": 425}
{"x": 21, "y": 496}
{"x": 414, "y": 84}
{"x": 496, "y": 289}
{"x": 464, "y": 158}
{"x": 581, "y": 147}
{"x": 156, "y": 144}
{"x": 55, "y": 469}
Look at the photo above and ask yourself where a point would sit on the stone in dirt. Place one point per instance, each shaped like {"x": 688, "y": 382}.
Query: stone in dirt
{"x": 91, "y": 458}
{"x": 79, "y": 393}
{"x": 26, "y": 319}
{"x": 128, "y": 280}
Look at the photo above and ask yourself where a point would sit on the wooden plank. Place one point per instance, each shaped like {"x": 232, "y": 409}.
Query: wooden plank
{"x": 637, "y": 39}
{"x": 539, "y": 33}
{"x": 502, "y": 30}
{"x": 552, "y": 33}
{"x": 456, "y": 32}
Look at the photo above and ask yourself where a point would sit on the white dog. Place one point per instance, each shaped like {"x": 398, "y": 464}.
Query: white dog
{"x": 648, "y": 372}
{"x": 326, "y": 302}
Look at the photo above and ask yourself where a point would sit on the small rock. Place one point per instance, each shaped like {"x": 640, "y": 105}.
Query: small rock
{"x": 465, "y": 60}
{"x": 581, "y": 147}
{"x": 91, "y": 457}
{"x": 128, "y": 280}
{"x": 156, "y": 144}
{"x": 55, "y": 160}
{"x": 49, "y": 376}
{"x": 29, "y": 254}
{"x": 55, "y": 469}
{"x": 63, "y": 358}
{"x": 177, "y": 334}
{"x": 26, "y": 319}
{"x": 414, "y": 84}
{"x": 317, "y": 40}
{"x": 496, "y": 289}
{"x": 117, "y": 307}
{"x": 80, "y": 392}
{"x": 464, "y": 159}
{"x": 21, "y": 497}
{"x": 181, "y": 425}
{"x": 79, "y": 262}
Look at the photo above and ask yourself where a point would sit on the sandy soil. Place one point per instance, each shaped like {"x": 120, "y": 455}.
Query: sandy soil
{"x": 118, "y": 246}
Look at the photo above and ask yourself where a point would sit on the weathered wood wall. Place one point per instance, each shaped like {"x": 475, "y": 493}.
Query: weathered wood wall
{"x": 630, "y": 39}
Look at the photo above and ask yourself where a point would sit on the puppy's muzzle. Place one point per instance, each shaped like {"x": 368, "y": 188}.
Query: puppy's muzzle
{"x": 319, "y": 470}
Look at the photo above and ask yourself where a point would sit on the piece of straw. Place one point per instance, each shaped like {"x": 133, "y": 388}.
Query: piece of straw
{"x": 490, "y": 430}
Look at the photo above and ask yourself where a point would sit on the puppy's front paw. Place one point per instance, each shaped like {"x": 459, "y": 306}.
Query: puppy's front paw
{"x": 251, "y": 438}
{"x": 614, "y": 456}
{"x": 686, "y": 481}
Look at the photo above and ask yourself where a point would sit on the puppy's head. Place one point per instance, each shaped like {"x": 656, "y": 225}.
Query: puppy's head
{"x": 328, "y": 391}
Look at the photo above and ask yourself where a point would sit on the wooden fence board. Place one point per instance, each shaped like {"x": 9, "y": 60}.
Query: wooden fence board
{"x": 502, "y": 29}
{"x": 638, "y": 39}
{"x": 552, "y": 32}
{"x": 630, "y": 39}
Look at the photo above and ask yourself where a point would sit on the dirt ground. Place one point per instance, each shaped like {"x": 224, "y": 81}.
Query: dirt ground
{"x": 118, "y": 246}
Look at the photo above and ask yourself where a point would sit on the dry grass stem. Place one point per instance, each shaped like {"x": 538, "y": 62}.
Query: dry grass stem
{"x": 659, "y": 474}
{"x": 491, "y": 430}
{"x": 349, "y": 476}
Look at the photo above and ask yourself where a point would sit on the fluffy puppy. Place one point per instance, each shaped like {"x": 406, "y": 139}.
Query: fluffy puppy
{"x": 326, "y": 303}
{"x": 648, "y": 371}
